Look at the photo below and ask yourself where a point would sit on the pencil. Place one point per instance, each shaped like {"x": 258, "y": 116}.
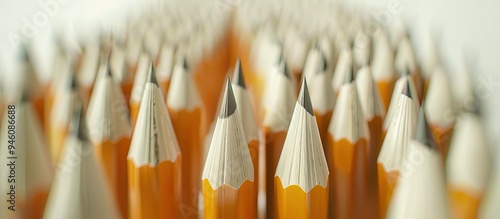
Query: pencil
{"x": 61, "y": 70}
{"x": 350, "y": 146}
{"x": 31, "y": 84}
{"x": 60, "y": 116}
{"x": 278, "y": 113}
{"x": 301, "y": 179}
{"x": 373, "y": 112}
{"x": 248, "y": 120}
{"x": 431, "y": 63}
{"x": 228, "y": 183}
{"x": 344, "y": 63}
{"x": 154, "y": 159}
{"x": 322, "y": 98}
{"x": 395, "y": 147}
{"x": 32, "y": 162}
{"x": 382, "y": 66}
{"x": 361, "y": 50}
{"x": 80, "y": 189}
{"x": 421, "y": 191}
{"x": 89, "y": 66}
{"x": 405, "y": 60}
{"x": 399, "y": 87}
{"x": 165, "y": 65}
{"x": 139, "y": 84}
{"x": 440, "y": 107}
{"x": 120, "y": 68}
{"x": 468, "y": 166}
{"x": 110, "y": 133}
{"x": 184, "y": 106}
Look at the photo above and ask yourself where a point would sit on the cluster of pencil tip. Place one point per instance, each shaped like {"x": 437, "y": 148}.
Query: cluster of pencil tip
{"x": 320, "y": 121}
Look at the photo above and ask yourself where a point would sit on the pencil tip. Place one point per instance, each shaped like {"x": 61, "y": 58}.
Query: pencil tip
{"x": 304, "y": 98}
{"x": 24, "y": 53}
{"x": 108, "y": 71}
{"x": 79, "y": 122}
{"x": 238, "y": 77}
{"x": 74, "y": 83}
{"x": 349, "y": 77}
{"x": 325, "y": 63}
{"x": 423, "y": 132}
{"x": 152, "y": 75}
{"x": 284, "y": 67}
{"x": 228, "y": 103}
{"x": 406, "y": 90}
{"x": 185, "y": 64}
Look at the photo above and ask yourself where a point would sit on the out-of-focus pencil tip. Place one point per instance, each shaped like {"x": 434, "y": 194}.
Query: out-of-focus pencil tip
{"x": 423, "y": 132}
{"x": 229, "y": 102}
{"x": 304, "y": 98}
{"x": 185, "y": 64}
{"x": 238, "y": 77}
{"x": 349, "y": 77}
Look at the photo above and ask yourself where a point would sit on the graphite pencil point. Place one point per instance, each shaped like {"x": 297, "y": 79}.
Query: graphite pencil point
{"x": 238, "y": 77}
{"x": 304, "y": 98}
{"x": 228, "y": 106}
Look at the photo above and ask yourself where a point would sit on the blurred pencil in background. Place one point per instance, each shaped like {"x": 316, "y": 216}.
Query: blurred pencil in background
{"x": 80, "y": 189}
{"x": 350, "y": 145}
{"x": 278, "y": 113}
{"x": 184, "y": 106}
{"x": 110, "y": 132}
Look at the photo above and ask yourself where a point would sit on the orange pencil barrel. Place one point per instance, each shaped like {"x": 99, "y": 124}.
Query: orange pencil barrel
{"x": 385, "y": 89}
{"x": 274, "y": 142}
{"x": 187, "y": 126}
{"x": 386, "y": 183}
{"x": 465, "y": 204}
{"x": 113, "y": 156}
{"x": 227, "y": 202}
{"x": 294, "y": 202}
{"x": 154, "y": 190}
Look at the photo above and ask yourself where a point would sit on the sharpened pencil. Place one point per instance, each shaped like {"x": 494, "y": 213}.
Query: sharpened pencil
{"x": 382, "y": 67}
{"x": 301, "y": 179}
{"x": 421, "y": 191}
{"x": 278, "y": 113}
{"x": 110, "y": 132}
{"x": 405, "y": 60}
{"x": 154, "y": 159}
{"x": 165, "y": 66}
{"x": 395, "y": 147}
{"x": 80, "y": 189}
{"x": 350, "y": 146}
{"x": 228, "y": 183}
{"x": 440, "y": 107}
{"x": 32, "y": 86}
{"x": 184, "y": 106}
{"x": 60, "y": 116}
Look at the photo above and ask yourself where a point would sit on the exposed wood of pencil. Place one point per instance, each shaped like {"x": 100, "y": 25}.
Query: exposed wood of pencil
{"x": 439, "y": 104}
{"x": 111, "y": 130}
{"x": 120, "y": 69}
{"x": 394, "y": 148}
{"x": 165, "y": 65}
{"x": 468, "y": 167}
{"x": 405, "y": 61}
{"x": 184, "y": 106}
{"x": 154, "y": 159}
{"x": 350, "y": 145}
{"x": 301, "y": 178}
{"x": 32, "y": 185}
{"x": 276, "y": 122}
{"x": 229, "y": 189}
